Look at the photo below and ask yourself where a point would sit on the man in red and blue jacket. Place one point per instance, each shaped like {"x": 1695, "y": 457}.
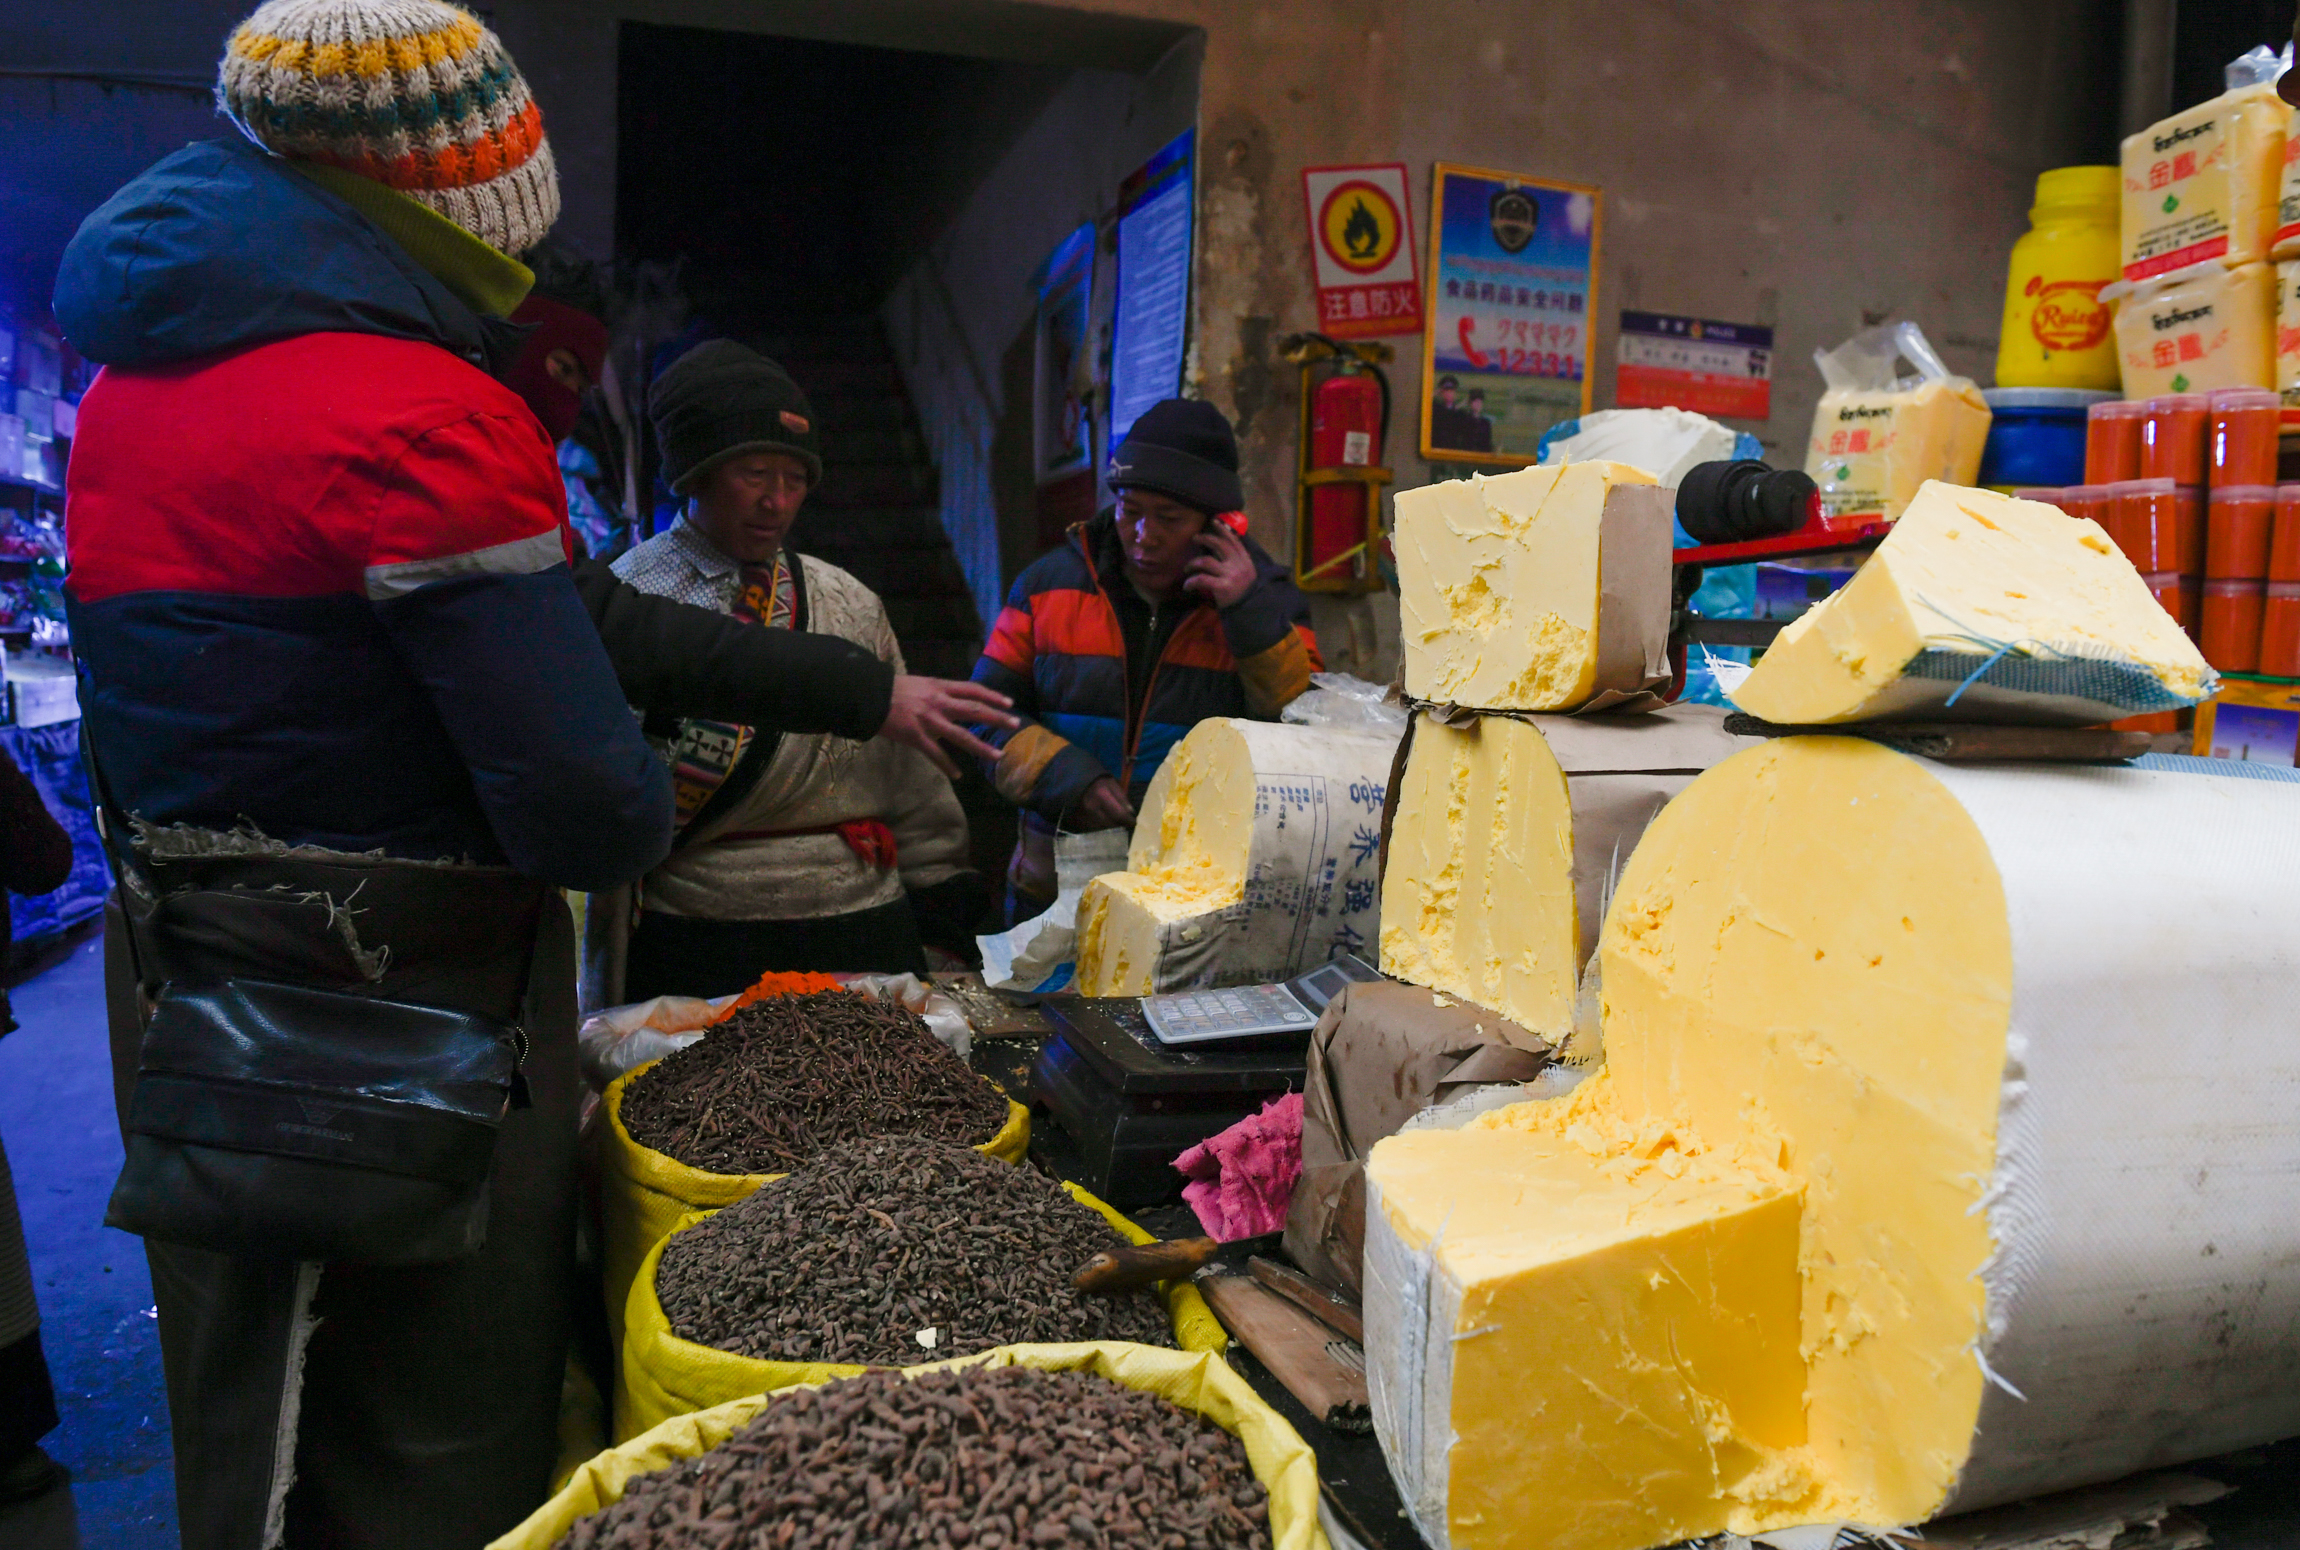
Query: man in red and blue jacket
{"x": 1148, "y": 620}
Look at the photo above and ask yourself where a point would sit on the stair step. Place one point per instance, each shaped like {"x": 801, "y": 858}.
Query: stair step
{"x": 873, "y": 485}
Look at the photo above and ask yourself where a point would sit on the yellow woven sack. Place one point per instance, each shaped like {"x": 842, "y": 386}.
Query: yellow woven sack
{"x": 643, "y": 1194}
{"x": 1196, "y": 1380}
{"x": 660, "y": 1375}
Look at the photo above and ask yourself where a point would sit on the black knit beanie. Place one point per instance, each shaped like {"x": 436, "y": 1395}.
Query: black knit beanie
{"x": 1184, "y": 448}
{"x": 722, "y": 400}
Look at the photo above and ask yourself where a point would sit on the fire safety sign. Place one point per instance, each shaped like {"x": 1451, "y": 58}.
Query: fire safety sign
{"x": 1362, "y": 251}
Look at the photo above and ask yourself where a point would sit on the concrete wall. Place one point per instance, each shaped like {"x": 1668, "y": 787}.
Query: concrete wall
{"x": 969, "y": 305}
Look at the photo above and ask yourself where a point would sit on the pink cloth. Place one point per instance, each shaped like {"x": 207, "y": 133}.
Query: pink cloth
{"x": 1242, "y": 1181}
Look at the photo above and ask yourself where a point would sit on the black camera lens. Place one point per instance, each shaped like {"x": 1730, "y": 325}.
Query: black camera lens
{"x": 1732, "y": 502}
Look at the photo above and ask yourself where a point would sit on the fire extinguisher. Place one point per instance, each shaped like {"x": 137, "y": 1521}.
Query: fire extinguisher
{"x": 1349, "y": 422}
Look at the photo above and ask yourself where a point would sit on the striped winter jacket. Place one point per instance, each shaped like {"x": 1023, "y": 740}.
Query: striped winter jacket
{"x": 1060, "y": 651}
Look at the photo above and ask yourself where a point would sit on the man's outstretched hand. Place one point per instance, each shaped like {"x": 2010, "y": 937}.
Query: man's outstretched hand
{"x": 930, "y": 714}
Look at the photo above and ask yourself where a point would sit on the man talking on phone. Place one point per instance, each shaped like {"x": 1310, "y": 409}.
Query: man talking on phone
{"x": 1147, "y": 620}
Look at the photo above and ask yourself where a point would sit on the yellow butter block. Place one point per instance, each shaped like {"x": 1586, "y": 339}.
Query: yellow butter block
{"x": 1478, "y": 897}
{"x": 2013, "y": 609}
{"x": 1128, "y": 920}
{"x": 2203, "y": 185}
{"x": 1870, "y": 452}
{"x": 2192, "y": 333}
{"x": 1296, "y": 810}
{"x": 1187, "y": 860}
{"x": 1498, "y": 583}
{"x": 1619, "y": 1317}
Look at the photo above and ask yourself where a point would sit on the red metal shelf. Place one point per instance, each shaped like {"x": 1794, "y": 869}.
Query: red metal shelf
{"x": 1812, "y": 538}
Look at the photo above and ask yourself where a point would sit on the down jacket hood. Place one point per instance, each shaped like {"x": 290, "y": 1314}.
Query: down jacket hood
{"x": 223, "y": 245}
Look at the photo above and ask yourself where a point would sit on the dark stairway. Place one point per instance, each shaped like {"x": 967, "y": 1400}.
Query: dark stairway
{"x": 877, "y": 511}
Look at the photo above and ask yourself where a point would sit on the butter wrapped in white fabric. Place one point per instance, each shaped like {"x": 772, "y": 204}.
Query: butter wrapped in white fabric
{"x": 1253, "y": 861}
{"x": 1979, "y": 607}
{"x": 1943, "y": 1157}
{"x": 1541, "y": 589}
{"x": 1504, "y": 835}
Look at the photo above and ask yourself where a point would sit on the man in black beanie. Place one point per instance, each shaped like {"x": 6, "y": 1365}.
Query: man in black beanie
{"x": 1150, "y": 619}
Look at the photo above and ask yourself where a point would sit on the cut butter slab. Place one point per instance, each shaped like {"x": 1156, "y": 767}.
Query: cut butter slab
{"x": 1505, "y": 834}
{"x": 1614, "y": 1321}
{"x": 1883, "y": 1038}
{"x": 1499, "y": 584}
{"x": 1478, "y": 899}
{"x": 1253, "y": 861}
{"x": 2011, "y": 609}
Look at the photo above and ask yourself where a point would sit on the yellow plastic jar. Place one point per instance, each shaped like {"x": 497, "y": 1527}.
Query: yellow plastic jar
{"x": 2056, "y": 327}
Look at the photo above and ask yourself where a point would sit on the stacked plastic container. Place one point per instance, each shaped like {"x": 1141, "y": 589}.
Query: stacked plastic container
{"x": 2186, "y": 485}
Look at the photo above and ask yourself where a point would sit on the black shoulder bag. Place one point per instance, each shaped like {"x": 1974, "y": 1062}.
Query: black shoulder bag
{"x": 291, "y": 1121}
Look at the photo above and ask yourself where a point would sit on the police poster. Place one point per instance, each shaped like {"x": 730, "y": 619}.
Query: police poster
{"x": 1513, "y": 293}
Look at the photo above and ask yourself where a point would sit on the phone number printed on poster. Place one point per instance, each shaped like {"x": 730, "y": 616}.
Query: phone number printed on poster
{"x": 1513, "y": 265}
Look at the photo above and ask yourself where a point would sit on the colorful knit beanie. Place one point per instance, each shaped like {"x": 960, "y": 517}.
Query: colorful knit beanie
{"x": 415, "y": 94}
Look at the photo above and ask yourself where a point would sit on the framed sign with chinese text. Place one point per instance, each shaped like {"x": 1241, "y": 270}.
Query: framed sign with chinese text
{"x": 1512, "y": 296}
{"x": 1671, "y": 362}
{"x": 1362, "y": 250}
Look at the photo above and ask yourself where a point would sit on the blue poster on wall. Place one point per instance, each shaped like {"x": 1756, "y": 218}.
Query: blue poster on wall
{"x": 1513, "y": 295}
{"x": 1153, "y": 315}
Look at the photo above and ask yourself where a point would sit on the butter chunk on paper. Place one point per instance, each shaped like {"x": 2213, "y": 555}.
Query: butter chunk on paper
{"x": 1253, "y": 861}
{"x": 1542, "y": 589}
{"x": 1503, "y": 835}
{"x": 1979, "y": 607}
{"x": 1886, "y": 1037}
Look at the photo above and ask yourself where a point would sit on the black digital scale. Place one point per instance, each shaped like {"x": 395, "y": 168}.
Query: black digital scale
{"x": 1136, "y": 1082}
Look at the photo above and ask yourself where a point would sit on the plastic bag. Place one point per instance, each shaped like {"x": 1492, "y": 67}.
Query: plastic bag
{"x": 625, "y": 1037}
{"x": 659, "y": 1375}
{"x": 2258, "y": 65}
{"x": 1346, "y": 704}
{"x": 1040, "y": 953}
{"x": 1665, "y": 442}
{"x": 1200, "y": 1382}
{"x": 1879, "y": 435}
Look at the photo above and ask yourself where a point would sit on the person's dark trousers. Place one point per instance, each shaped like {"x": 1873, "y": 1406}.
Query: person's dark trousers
{"x": 384, "y": 1408}
{"x": 685, "y": 955}
{"x": 27, "y": 1397}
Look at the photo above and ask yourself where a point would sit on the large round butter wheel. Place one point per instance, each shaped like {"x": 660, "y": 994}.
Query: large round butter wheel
{"x": 1253, "y": 860}
{"x": 1944, "y": 1156}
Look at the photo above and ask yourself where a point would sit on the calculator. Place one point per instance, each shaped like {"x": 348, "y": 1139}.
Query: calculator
{"x": 1253, "y": 1011}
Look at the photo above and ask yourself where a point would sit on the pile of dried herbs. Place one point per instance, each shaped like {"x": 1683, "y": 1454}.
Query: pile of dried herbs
{"x": 897, "y": 1250}
{"x": 786, "y": 1077}
{"x": 986, "y": 1460}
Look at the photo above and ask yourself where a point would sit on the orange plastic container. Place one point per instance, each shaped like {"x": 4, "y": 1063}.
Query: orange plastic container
{"x": 2172, "y": 437}
{"x": 2284, "y": 544}
{"x": 2232, "y": 618}
{"x": 2188, "y": 529}
{"x": 2241, "y": 442}
{"x": 2094, "y": 501}
{"x": 2240, "y": 521}
{"x": 2176, "y": 594}
{"x": 2159, "y": 525}
{"x": 2280, "y": 630}
{"x": 2112, "y": 440}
